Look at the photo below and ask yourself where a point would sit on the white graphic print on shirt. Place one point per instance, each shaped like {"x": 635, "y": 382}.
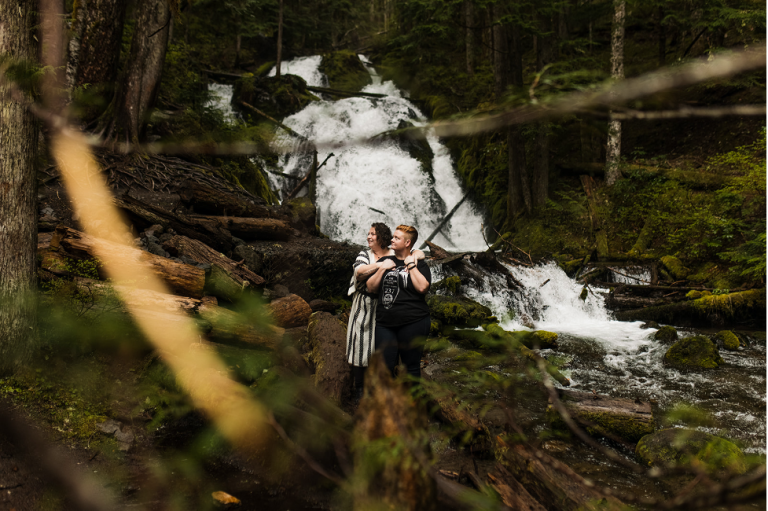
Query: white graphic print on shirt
{"x": 390, "y": 288}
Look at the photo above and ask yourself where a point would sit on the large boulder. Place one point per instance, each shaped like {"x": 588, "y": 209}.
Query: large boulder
{"x": 680, "y": 447}
{"x": 459, "y": 311}
{"x": 727, "y": 340}
{"x": 328, "y": 346}
{"x": 666, "y": 334}
{"x": 345, "y": 71}
{"x": 697, "y": 352}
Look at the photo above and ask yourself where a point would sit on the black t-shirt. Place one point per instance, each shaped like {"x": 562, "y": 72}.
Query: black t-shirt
{"x": 399, "y": 302}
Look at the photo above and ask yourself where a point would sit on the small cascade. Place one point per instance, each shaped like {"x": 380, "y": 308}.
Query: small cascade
{"x": 306, "y": 67}
{"x": 635, "y": 275}
{"x": 221, "y": 100}
{"x": 382, "y": 182}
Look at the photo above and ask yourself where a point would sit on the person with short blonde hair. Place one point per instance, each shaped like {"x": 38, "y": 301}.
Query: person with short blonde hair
{"x": 402, "y": 315}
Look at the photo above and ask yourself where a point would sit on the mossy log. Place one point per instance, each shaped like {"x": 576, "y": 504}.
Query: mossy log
{"x": 202, "y": 253}
{"x": 229, "y": 327}
{"x": 606, "y": 416}
{"x": 249, "y": 228}
{"x": 182, "y": 279}
{"x": 552, "y": 483}
{"x": 385, "y": 444}
{"x": 290, "y": 311}
{"x": 744, "y": 307}
{"x": 144, "y": 215}
{"x": 207, "y": 200}
{"x": 328, "y": 344}
{"x": 512, "y": 493}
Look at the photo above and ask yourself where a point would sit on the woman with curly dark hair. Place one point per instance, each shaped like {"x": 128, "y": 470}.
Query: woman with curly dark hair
{"x": 362, "y": 316}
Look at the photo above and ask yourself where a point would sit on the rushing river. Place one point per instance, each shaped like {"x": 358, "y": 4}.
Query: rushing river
{"x": 363, "y": 184}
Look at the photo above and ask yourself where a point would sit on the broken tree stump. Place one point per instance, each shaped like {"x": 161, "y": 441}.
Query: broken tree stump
{"x": 290, "y": 311}
{"x": 605, "y": 416}
{"x": 181, "y": 279}
{"x": 389, "y": 419}
{"x": 552, "y": 483}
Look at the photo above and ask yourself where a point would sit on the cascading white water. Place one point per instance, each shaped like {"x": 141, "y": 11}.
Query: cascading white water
{"x": 379, "y": 182}
{"x": 221, "y": 100}
{"x": 623, "y": 360}
{"x": 636, "y": 275}
{"x": 306, "y": 67}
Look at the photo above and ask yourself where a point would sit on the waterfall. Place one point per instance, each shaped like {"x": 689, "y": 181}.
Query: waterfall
{"x": 221, "y": 100}
{"x": 369, "y": 183}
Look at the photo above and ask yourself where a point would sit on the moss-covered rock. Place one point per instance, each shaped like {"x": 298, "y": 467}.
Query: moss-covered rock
{"x": 694, "y": 294}
{"x": 467, "y": 355}
{"x": 450, "y": 284}
{"x": 728, "y": 340}
{"x": 459, "y": 311}
{"x": 666, "y": 334}
{"x": 571, "y": 267}
{"x": 435, "y": 327}
{"x": 675, "y": 267}
{"x": 682, "y": 447}
{"x": 540, "y": 338}
{"x": 416, "y": 146}
{"x": 694, "y": 353}
{"x": 435, "y": 344}
{"x": 277, "y": 97}
{"x": 304, "y": 213}
{"x": 345, "y": 71}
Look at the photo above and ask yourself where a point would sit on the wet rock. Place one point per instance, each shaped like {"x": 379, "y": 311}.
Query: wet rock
{"x": 252, "y": 259}
{"x": 278, "y": 97}
{"x": 451, "y": 285}
{"x": 675, "y": 267}
{"x": 727, "y": 340}
{"x": 605, "y": 415}
{"x": 694, "y": 353}
{"x": 459, "y": 311}
{"x": 328, "y": 346}
{"x": 680, "y": 447}
{"x": 153, "y": 231}
{"x": 304, "y": 213}
{"x": 666, "y": 334}
{"x": 123, "y": 435}
{"x": 649, "y": 324}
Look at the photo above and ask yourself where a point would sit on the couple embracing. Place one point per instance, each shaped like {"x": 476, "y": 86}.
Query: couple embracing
{"x": 389, "y": 308}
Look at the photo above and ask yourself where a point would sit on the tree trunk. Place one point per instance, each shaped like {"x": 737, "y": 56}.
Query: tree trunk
{"x": 544, "y": 56}
{"x": 248, "y": 228}
{"x": 94, "y": 50}
{"x": 519, "y": 192}
{"x": 279, "y": 40}
{"x": 613, "y": 149}
{"x": 138, "y": 88}
{"x": 18, "y": 204}
{"x": 500, "y": 55}
{"x": 469, "y": 21}
{"x": 662, "y": 35}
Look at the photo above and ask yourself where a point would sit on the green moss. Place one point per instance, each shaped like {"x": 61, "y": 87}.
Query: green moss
{"x": 435, "y": 344}
{"x": 540, "y": 338}
{"x": 450, "y": 284}
{"x": 435, "y": 328}
{"x": 571, "y": 267}
{"x": 694, "y": 353}
{"x": 458, "y": 311}
{"x": 682, "y": 447}
{"x": 732, "y": 305}
{"x": 666, "y": 334}
{"x": 695, "y": 294}
{"x": 467, "y": 355}
{"x": 345, "y": 71}
{"x": 584, "y": 294}
{"x": 304, "y": 212}
{"x": 729, "y": 340}
{"x": 675, "y": 267}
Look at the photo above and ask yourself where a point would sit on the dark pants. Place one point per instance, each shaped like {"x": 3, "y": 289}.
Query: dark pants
{"x": 394, "y": 341}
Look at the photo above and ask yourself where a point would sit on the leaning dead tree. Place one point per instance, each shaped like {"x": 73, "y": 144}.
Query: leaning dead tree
{"x": 612, "y": 172}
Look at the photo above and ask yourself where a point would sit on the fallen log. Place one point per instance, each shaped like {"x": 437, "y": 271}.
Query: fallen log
{"x": 741, "y": 308}
{"x": 182, "y": 279}
{"x": 146, "y": 215}
{"x": 328, "y": 343}
{"x": 248, "y": 228}
{"x": 229, "y": 327}
{"x": 606, "y": 416}
{"x": 202, "y": 253}
{"x": 207, "y": 200}
{"x": 552, "y": 483}
{"x": 450, "y": 412}
{"x": 512, "y": 493}
{"x": 290, "y": 311}
{"x": 344, "y": 93}
{"x": 437, "y": 252}
{"x": 444, "y": 221}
